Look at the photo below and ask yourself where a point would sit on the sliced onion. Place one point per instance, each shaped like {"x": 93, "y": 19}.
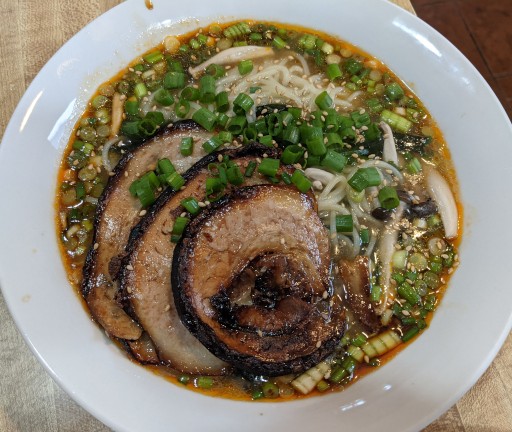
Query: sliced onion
{"x": 440, "y": 192}
{"x": 106, "y": 149}
{"x": 232, "y": 55}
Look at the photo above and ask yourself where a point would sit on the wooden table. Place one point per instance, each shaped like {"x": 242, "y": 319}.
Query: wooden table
{"x": 30, "y": 33}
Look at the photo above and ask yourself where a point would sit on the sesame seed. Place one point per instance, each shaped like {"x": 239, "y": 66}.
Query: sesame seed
{"x": 366, "y": 359}
{"x": 167, "y": 308}
{"x": 142, "y": 212}
{"x": 128, "y": 290}
{"x": 283, "y": 241}
{"x": 126, "y": 173}
{"x": 318, "y": 344}
{"x": 96, "y": 246}
{"x": 129, "y": 267}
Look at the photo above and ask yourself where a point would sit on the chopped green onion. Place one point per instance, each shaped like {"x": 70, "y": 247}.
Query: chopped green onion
{"x": 190, "y": 93}
{"x": 363, "y": 178}
{"x": 331, "y": 122}
{"x": 174, "y": 80}
{"x": 269, "y": 167}
{"x": 165, "y": 167}
{"x": 291, "y": 134}
{"x": 249, "y": 171}
{"x": 360, "y": 120}
{"x": 179, "y": 226}
{"x": 237, "y": 30}
{"x": 374, "y": 105}
{"x": 226, "y": 137}
{"x": 237, "y": 125}
{"x": 153, "y": 57}
{"x": 144, "y": 191}
{"x": 409, "y": 334}
{"x": 397, "y": 122}
{"x": 344, "y": 223}
{"x": 286, "y": 178}
{"x": 275, "y": 125}
{"x": 279, "y": 43}
{"x": 131, "y": 106}
{"x": 300, "y": 180}
{"x": 163, "y": 97}
{"x": 245, "y": 67}
{"x": 222, "y": 120}
{"x": 204, "y": 382}
{"x": 216, "y": 71}
{"x": 175, "y": 181}
{"x": 270, "y": 390}
{"x": 212, "y": 144}
{"x": 359, "y": 340}
{"x": 352, "y": 66}
{"x": 191, "y": 205}
{"x": 375, "y": 293}
{"x": 234, "y": 175}
{"x": 327, "y": 48}
{"x": 292, "y": 154}
{"x": 186, "y": 146}
{"x": 373, "y": 133}
{"x": 140, "y": 90}
{"x": 322, "y": 386}
{"x": 80, "y": 190}
{"x": 222, "y": 101}
{"x": 182, "y": 108}
{"x": 364, "y": 235}
{"x": 242, "y": 104}
{"x": 414, "y": 166}
{"x": 205, "y": 118}
{"x": 388, "y": 198}
{"x": 207, "y": 89}
{"x": 266, "y": 140}
{"x": 194, "y": 44}
{"x": 394, "y": 91}
{"x": 175, "y": 65}
{"x": 333, "y": 139}
{"x": 323, "y": 100}
{"x": 334, "y": 161}
{"x": 406, "y": 291}
{"x": 214, "y": 186}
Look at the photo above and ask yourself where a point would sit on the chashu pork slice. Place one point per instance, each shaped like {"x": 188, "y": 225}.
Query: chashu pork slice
{"x": 117, "y": 213}
{"x": 146, "y": 271}
{"x": 250, "y": 278}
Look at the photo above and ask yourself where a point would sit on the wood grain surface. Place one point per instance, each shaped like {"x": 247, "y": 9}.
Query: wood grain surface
{"x": 30, "y": 33}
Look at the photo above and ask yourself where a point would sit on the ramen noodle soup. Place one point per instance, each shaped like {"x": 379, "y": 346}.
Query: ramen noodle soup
{"x": 258, "y": 211}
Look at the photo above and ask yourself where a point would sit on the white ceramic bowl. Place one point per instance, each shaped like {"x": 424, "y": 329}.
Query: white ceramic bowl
{"x": 404, "y": 395}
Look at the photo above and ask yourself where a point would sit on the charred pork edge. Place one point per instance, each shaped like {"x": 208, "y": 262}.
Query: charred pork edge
{"x": 90, "y": 260}
{"x": 202, "y": 331}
